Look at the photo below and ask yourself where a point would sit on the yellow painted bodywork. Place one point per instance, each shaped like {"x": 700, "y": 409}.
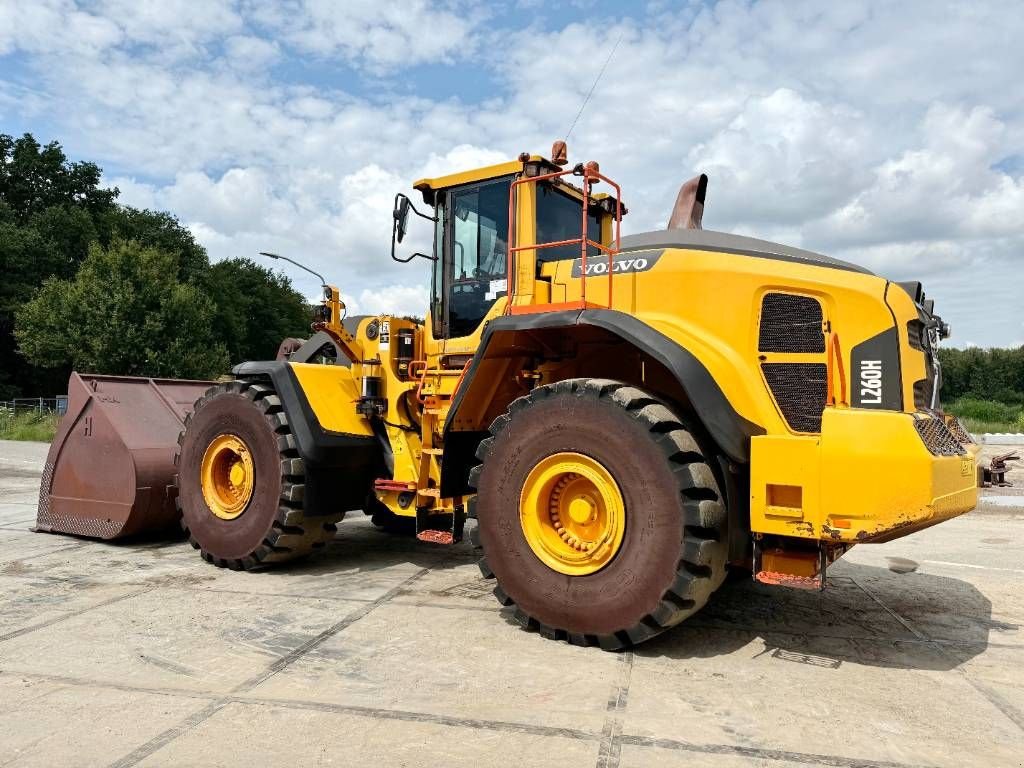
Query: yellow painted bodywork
{"x": 332, "y": 392}
{"x": 474, "y": 174}
{"x": 866, "y": 476}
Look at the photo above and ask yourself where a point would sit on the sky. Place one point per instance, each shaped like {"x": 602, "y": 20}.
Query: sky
{"x": 890, "y": 134}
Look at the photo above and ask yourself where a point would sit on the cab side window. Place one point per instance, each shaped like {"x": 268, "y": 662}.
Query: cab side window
{"x": 478, "y": 256}
{"x": 560, "y": 217}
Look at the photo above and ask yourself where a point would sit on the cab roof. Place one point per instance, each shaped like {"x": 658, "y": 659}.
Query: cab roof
{"x": 475, "y": 174}
{"x": 430, "y": 187}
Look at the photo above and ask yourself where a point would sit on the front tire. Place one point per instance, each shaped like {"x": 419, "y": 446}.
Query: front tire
{"x": 241, "y": 483}
{"x": 585, "y": 447}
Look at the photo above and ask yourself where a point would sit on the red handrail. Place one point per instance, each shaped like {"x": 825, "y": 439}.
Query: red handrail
{"x": 590, "y": 176}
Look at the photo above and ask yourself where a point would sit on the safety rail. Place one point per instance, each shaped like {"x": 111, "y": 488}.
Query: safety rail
{"x": 419, "y": 371}
{"x": 591, "y": 175}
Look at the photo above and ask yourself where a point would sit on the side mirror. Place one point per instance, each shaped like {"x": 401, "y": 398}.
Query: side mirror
{"x": 401, "y": 214}
{"x": 399, "y": 226}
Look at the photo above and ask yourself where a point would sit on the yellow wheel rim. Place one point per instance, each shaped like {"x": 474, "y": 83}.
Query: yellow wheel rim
{"x": 572, "y": 513}
{"x": 227, "y": 476}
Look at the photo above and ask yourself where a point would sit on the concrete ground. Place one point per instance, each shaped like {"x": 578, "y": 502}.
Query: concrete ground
{"x": 381, "y": 651}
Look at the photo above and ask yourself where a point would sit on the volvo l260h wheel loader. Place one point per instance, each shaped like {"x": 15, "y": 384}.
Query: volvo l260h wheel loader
{"x": 624, "y": 417}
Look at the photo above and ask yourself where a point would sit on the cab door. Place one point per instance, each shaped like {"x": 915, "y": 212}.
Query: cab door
{"x": 475, "y": 260}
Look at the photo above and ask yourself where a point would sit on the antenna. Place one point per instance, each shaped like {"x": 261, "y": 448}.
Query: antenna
{"x": 591, "y": 93}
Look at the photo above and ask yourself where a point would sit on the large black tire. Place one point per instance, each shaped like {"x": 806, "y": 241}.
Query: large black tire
{"x": 673, "y": 553}
{"x": 275, "y": 526}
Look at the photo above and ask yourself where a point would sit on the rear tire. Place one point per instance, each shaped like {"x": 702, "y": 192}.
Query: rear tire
{"x": 672, "y": 555}
{"x": 274, "y": 526}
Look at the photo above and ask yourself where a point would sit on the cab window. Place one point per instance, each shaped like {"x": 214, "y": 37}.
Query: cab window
{"x": 437, "y": 278}
{"x": 478, "y": 256}
{"x": 559, "y": 218}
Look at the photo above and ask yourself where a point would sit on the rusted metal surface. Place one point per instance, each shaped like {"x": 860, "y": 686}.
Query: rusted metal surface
{"x": 777, "y": 579}
{"x": 110, "y": 469}
{"x": 689, "y": 207}
{"x": 436, "y": 537}
{"x": 289, "y": 346}
{"x": 995, "y": 473}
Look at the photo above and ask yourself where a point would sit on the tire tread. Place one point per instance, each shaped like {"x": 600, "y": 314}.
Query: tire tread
{"x": 702, "y": 546}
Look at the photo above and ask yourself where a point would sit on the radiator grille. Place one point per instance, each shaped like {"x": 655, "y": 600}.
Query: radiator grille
{"x": 800, "y": 391}
{"x": 937, "y": 438}
{"x": 790, "y": 324}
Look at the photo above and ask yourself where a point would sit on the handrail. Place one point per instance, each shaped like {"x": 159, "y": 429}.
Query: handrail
{"x": 590, "y": 176}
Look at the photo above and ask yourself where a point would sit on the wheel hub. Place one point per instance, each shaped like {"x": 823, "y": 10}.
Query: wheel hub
{"x": 572, "y": 513}
{"x": 227, "y": 476}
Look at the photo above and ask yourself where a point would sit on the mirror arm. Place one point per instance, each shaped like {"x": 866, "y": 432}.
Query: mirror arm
{"x": 394, "y": 231}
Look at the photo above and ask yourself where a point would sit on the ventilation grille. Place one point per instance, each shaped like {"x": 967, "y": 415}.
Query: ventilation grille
{"x": 916, "y": 334}
{"x": 790, "y": 324}
{"x": 923, "y": 394}
{"x": 937, "y": 438}
{"x": 800, "y": 391}
{"x": 958, "y": 430}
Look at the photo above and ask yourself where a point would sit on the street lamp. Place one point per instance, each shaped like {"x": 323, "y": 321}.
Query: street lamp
{"x": 319, "y": 277}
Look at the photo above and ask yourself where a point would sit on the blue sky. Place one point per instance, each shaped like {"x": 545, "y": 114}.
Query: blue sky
{"x": 889, "y": 134}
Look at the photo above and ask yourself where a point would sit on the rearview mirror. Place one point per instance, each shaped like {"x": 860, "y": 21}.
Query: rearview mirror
{"x": 399, "y": 226}
{"x": 401, "y": 214}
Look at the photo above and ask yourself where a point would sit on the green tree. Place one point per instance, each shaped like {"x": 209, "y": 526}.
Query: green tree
{"x": 52, "y": 210}
{"x": 156, "y": 229}
{"x": 49, "y": 207}
{"x": 256, "y": 309}
{"x": 34, "y": 178}
{"x": 983, "y": 374}
{"x": 125, "y": 312}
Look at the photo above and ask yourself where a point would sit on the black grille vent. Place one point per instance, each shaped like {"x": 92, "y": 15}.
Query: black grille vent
{"x": 915, "y": 334}
{"x": 800, "y": 391}
{"x": 937, "y": 438}
{"x": 790, "y": 324}
{"x": 923, "y": 394}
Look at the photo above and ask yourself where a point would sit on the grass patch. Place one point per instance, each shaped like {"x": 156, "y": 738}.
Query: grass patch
{"x": 29, "y": 425}
{"x": 981, "y": 416}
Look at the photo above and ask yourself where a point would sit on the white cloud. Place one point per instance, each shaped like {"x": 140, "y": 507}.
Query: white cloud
{"x": 381, "y": 35}
{"x": 54, "y": 26}
{"x": 390, "y": 299}
{"x": 872, "y": 132}
{"x": 251, "y": 52}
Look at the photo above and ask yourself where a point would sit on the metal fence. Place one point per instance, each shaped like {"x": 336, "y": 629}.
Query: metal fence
{"x": 40, "y": 405}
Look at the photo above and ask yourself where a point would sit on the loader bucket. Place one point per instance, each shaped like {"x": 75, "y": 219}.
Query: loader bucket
{"x": 110, "y": 469}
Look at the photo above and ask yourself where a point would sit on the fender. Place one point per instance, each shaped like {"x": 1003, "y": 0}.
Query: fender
{"x": 730, "y": 431}
{"x": 347, "y": 463}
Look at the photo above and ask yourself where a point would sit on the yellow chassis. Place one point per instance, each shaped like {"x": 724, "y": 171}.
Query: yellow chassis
{"x": 868, "y": 477}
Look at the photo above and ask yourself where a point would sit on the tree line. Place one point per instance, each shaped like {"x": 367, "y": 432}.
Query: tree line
{"x": 91, "y": 284}
{"x": 94, "y": 285}
{"x": 983, "y": 374}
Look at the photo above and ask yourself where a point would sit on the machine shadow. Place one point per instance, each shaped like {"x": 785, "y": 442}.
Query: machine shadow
{"x": 359, "y": 544}
{"x": 867, "y": 615}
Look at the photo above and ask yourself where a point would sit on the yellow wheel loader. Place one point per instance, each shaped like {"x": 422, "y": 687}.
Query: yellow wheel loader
{"x": 623, "y": 417}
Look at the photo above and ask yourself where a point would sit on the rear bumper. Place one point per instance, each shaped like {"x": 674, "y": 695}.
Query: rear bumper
{"x": 870, "y": 476}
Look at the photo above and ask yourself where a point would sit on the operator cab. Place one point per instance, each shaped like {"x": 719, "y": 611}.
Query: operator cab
{"x": 471, "y": 217}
